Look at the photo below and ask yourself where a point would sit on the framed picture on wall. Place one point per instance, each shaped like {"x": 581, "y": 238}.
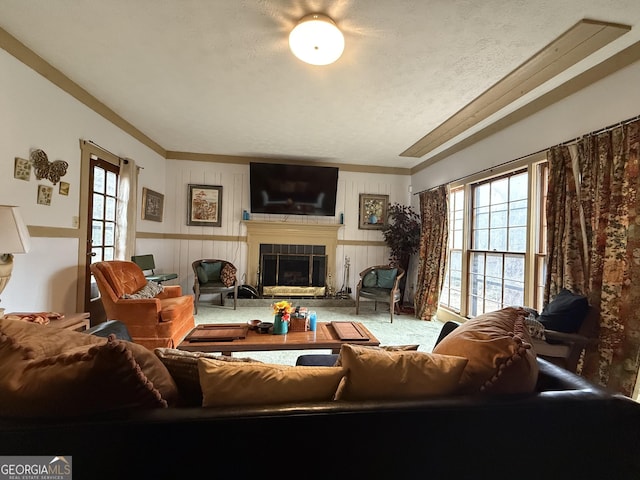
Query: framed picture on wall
{"x": 44, "y": 195}
{"x": 373, "y": 211}
{"x": 204, "y": 205}
{"x": 152, "y": 205}
{"x": 63, "y": 189}
{"x": 22, "y": 169}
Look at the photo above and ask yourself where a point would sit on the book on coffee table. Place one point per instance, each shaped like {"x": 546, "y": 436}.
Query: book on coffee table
{"x": 218, "y": 333}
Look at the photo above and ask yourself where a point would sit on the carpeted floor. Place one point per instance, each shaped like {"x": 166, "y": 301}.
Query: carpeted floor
{"x": 405, "y": 329}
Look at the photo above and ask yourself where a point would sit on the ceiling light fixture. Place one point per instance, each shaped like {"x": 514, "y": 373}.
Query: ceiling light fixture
{"x": 316, "y": 40}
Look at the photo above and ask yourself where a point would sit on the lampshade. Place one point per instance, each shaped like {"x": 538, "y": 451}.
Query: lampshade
{"x": 316, "y": 40}
{"x": 14, "y": 238}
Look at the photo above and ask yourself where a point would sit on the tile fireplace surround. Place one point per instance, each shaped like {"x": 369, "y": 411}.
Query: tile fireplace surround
{"x": 259, "y": 232}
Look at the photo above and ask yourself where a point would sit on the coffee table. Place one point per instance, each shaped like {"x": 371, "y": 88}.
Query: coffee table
{"x": 324, "y": 337}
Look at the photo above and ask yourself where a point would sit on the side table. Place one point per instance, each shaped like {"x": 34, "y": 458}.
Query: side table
{"x": 73, "y": 321}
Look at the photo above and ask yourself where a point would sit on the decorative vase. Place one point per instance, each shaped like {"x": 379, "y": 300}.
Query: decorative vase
{"x": 280, "y": 327}
{"x": 373, "y": 219}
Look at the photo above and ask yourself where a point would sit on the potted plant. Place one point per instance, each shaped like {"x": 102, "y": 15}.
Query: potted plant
{"x": 402, "y": 236}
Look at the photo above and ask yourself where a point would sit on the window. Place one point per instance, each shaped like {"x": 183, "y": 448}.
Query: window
{"x": 451, "y": 295}
{"x": 103, "y": 211}
{"x": 541, "y": 238}
{"x": 497, "y": 241}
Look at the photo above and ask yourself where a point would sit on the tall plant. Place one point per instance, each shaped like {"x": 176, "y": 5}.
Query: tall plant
{"x": 402, "y": 236}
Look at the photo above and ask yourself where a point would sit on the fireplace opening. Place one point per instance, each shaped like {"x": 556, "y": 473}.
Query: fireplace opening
{"x": 293, "y": 270}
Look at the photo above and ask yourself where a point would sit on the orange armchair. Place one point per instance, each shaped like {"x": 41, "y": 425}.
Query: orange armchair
{"x": 161, "y": 321}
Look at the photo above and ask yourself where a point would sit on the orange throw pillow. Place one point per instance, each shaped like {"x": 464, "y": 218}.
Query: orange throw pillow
{"x": 498, "y": 347}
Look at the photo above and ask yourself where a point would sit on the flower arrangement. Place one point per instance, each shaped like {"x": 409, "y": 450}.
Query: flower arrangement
{"x": 282, "y": 308}
{"x": 373, "y": 207}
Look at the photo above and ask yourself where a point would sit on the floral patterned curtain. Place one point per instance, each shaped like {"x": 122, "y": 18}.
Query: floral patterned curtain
{"x": 600, "y": 257}
{"x": 565, "y": 254}
{"x": 434, "y": 212}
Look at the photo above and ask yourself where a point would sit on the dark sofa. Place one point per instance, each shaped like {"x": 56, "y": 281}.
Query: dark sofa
{"x": 568, "y": 428}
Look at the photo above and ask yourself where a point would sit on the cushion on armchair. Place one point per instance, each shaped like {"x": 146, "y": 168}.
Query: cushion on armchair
{"x": 202, "y": 274}
{"x": 150, "y": 290}
{"x": 212, "y": 269}
{"x": 370, "y": 279}
{"x": 387, "y": 278}
{"x": 565, "y": 313}
{"x": 228, "y": 275}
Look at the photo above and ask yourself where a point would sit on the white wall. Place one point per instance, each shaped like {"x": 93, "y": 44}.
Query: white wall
{"x": 37, "y": 114}
{"x": 234, "y": 180}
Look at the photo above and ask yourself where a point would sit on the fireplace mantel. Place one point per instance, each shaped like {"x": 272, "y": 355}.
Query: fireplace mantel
{"x": 259, "y": 232}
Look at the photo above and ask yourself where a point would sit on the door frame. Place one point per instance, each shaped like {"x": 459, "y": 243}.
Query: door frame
{"x": 87, "y": 149}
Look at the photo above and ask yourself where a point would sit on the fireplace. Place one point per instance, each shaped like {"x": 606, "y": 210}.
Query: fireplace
{"x": 293, "y": 270}
{"x": 301, "y": 234}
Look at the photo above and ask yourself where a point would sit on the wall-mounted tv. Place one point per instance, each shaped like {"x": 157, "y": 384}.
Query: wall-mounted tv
{"x": 293, "y": 189}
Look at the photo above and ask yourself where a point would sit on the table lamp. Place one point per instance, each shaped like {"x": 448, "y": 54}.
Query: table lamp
{"x": 14, "y": 238}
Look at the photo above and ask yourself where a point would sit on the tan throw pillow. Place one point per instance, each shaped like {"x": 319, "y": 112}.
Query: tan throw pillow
{"x": 388, "y": 348}
{"x": 230, "y": 384}
{"x": 392, "y": 375}
{"x": 228, "y": 275}
{"x": 150, "y": 290}
{"x": 498, "y": 347}
{"x": 183, "y": 367}
{"x": 54, "y": 372}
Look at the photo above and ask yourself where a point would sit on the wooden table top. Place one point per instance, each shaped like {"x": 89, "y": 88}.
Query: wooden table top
{"x": 325, "y": 337}
{"x": 67, "y": 320}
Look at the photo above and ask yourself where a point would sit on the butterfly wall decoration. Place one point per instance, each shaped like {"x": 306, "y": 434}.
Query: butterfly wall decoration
{"x": 43, "y": 168}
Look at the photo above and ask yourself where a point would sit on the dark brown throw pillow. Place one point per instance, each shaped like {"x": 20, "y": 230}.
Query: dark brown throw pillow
{"x": 228, "y": 275}
{"x": 565, "y": 313}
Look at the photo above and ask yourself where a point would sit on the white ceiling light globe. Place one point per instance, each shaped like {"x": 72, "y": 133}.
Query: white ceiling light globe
{"x": 316, "y": 40}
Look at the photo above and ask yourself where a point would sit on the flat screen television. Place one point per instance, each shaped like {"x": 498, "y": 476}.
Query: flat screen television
{"x": 293, "y": 189}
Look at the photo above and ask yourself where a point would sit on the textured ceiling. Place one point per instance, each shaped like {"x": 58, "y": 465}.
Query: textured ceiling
{"x": 217, "y": 77}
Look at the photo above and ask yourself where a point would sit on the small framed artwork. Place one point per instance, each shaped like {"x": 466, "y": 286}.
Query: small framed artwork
{"x": 204, "y": 205}
{"x": 373, "y": 211}
{"x": 64, "y": 188}
{"x": 152, "y": 205}
{"x": 44, "y": 195}
{"x": 22, "y": 169}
